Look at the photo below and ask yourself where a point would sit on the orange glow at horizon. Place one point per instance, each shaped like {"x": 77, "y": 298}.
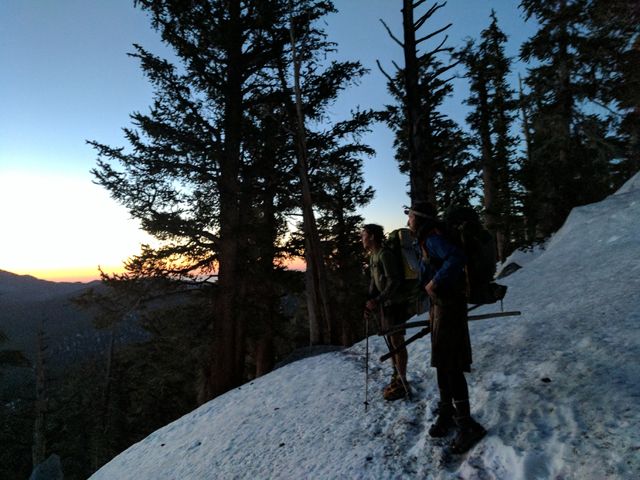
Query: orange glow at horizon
{"x": 296, "y": 264}
{"x": 89, "y": 274}
{"x": 78, "y": 274}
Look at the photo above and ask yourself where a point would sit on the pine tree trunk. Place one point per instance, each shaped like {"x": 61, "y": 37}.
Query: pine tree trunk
{"x": 560, "y": 206}
{"x": 320, "y": 318}
{"x": 264, "y": 353}
{"x": 99, "y": 454}
{"x": 421, "y": 174}
{"x": 529, "y": 219}
{"x": 343, "y": 331}
{"x": 634, "y": 137}
{"x": 265, "y": 348}
{"x": 39, "y": 450}
{"x": 489, "y": 175}
{"x": 228, "y": 342}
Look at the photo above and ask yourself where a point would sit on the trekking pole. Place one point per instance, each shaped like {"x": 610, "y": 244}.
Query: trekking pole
{"x": 427, "y": 330}
{"x": 392, "y": 352}
{"x": 366, "y": 364}
{"x": 470, "y": 318}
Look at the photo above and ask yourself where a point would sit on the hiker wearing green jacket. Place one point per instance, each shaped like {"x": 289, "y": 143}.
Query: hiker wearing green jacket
{"x": 388, "y": 299}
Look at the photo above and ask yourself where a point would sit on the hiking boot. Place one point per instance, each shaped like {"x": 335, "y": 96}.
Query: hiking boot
{"x": 444, "y": 423}
{"x": 470, "y": 433}
{"x": 395, "y": 381}
{"x": 394, "y": 391}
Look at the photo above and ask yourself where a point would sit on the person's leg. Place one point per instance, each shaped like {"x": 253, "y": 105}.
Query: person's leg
{"x": 444, "y": 422}
{"x": 400, "y": 358}
{"x": 400, "y": 387}
{"x": 470, "y": 431}
{"x": 385, "y": 322}
{"x": 458, "y": 385}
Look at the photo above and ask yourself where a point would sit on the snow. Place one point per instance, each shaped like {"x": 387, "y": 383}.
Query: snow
{"x": 632, "y": 184}
{"x": 523, "y": 257}
{"x": 557, "y": 387}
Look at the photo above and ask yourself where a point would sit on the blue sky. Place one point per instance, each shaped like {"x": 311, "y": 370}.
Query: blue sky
{"x": 66, "y": 78}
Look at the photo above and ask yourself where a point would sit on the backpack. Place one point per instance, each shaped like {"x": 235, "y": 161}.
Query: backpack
{"x": 400, "y": 242}
{"x": 463, "y": 227}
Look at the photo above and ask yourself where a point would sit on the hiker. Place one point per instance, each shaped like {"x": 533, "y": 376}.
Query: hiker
{"x": 443, "y": 278}
{"x": 387, "y": 296}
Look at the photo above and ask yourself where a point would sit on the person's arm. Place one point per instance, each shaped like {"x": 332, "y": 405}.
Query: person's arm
{"x": 372, "y": 303}
{"x": 392, "y": 274}
{"x": 373, "y": 290}
{"x": 453, "y": 261}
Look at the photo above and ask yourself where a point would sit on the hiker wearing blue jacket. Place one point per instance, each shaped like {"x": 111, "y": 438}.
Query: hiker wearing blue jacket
{"x": 444, "y": 280}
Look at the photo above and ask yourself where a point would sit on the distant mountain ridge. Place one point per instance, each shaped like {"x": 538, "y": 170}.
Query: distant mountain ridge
{"x": 27, "y": 303}
{"x": 14, "y": 287}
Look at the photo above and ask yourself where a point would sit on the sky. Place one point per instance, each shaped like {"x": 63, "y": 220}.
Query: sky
{"x": 556, "y": 387}
{"x": 66, "y": 78}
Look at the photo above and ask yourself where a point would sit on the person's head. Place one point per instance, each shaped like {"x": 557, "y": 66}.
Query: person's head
{"x": 420, "y": 213}
{"x": 372, "y": 236}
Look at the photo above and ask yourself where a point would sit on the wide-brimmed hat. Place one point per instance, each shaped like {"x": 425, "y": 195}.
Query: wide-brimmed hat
{"x": 422, "y": 209}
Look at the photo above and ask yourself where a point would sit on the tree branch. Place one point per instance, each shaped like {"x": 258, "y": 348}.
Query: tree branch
{"x": 433, "y": 34}
{"x": 392, "y": 83}
{"x": 391, "y": 34}
{"x": 384, "y": 72}
{"x": 438, "y": 49}
{"x": 418, "y": 23}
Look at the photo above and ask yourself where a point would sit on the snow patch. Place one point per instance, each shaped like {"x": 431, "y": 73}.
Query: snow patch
{"x": 630, "y": 185}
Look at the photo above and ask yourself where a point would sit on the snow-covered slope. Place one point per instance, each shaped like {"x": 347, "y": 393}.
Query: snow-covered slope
{"x": 558, "y": 388}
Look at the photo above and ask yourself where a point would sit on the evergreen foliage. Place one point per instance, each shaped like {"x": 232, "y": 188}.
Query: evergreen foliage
{"x": 16, "y": 414}
{"x": 615, "y": 45}
{"x": 490, "y": 120}
{"x": 211, "y": 172}
{"x": 11, "y": 358}
{"x": 343, "y": 192}
{"x": 431, "y": 148}
{"x": 573, "y": 142}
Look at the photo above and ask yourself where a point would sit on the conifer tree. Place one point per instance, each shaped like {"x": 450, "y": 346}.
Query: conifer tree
{"x": 572, "y": 150}
{"x": 615, "y": 48}
{"x": 183, "y": 179}
{"x": 187, "y": 176}
{"x": 212, "y": 169}
{"x": 16, "y": 416}
{"x": 340, "y": 191}
{"x": 321, "y": 320}
{"x": 42, "y": 402}
{"x": 430, "y": 148}
{"x": 490, "y": 120}
{"x": 11, "y": 358}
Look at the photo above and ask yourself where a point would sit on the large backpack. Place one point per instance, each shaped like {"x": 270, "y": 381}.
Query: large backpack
{"x": 400, "y": 242}
{"x": 463, "y": 226}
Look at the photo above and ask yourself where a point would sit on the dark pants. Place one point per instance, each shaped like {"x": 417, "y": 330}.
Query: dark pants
{"x": 452, "y": 385}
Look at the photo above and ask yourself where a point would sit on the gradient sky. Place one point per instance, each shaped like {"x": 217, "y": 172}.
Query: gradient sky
{"x": 66, "y": 78}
